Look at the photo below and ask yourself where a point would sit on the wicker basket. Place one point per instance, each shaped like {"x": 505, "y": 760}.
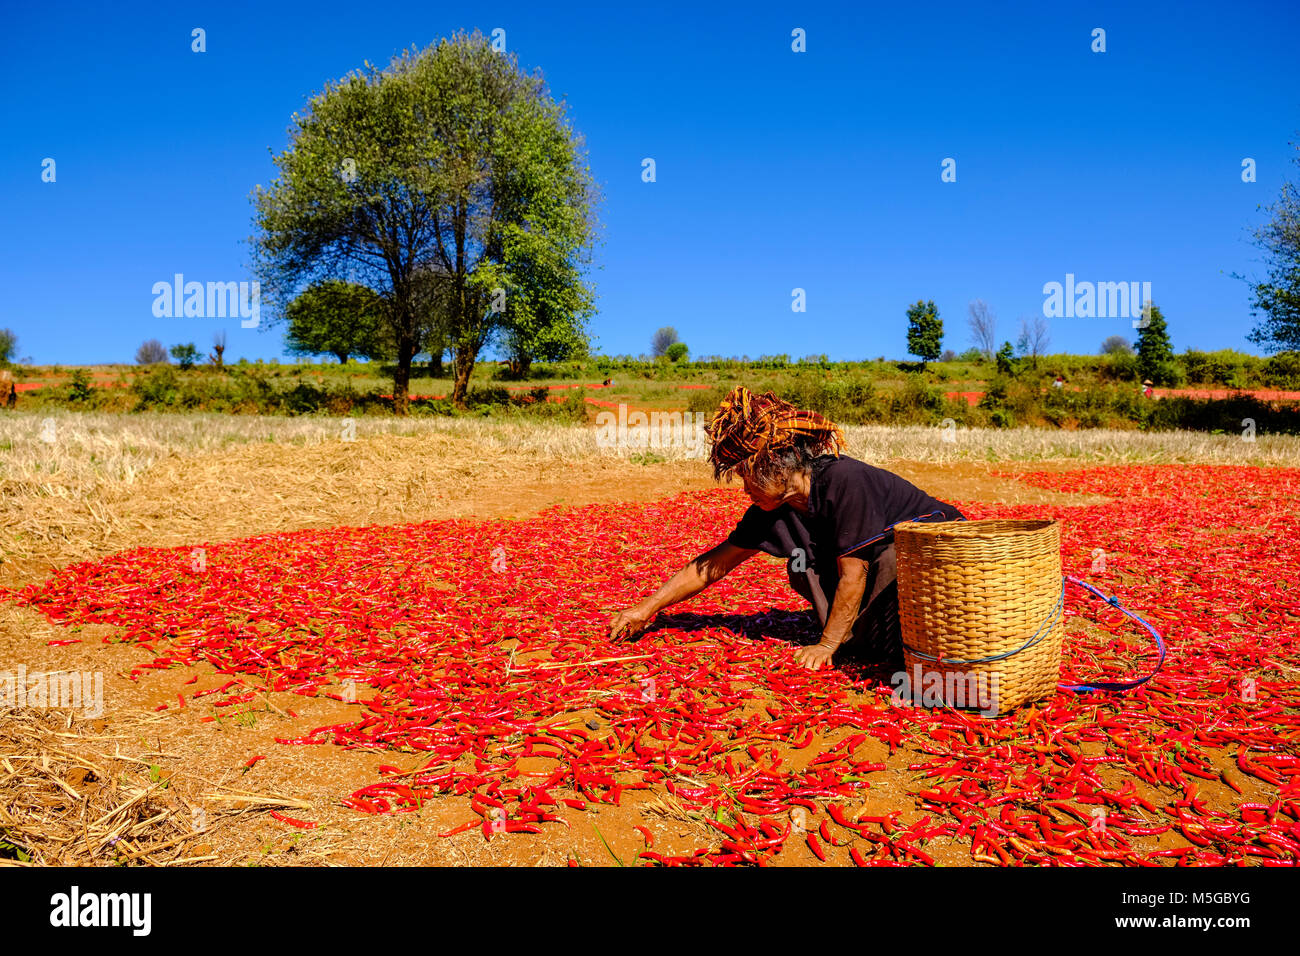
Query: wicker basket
{"x": 980, "y": 603}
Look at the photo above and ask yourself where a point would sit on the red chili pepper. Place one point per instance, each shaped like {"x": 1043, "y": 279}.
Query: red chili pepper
{"x": 816, "y": 847}
{"x": 460, "y": 829}
{"x": 294, "y": 822}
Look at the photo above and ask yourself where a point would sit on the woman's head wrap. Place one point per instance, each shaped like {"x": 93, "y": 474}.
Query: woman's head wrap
{"x": 748, "y": 430}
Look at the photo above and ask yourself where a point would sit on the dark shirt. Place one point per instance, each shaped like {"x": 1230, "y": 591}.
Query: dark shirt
{"x": 850, "y": 507}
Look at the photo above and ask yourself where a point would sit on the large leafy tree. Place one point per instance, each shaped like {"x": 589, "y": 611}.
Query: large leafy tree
{"x": 1278, "y": 296}
{"x": 338, "y": 318}
{"x": 450, "y": 181}
{"x": 924, "y": 331}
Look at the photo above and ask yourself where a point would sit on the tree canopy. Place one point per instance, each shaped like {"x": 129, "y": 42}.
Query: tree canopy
{"x": 337, "y": 318}
{"x": 452, "y": 185}
{"x": 661, "y": 340}
{"x": 185, "y": 354}
{"x": 1155, "y": 351}
{"x": 924, "y": 331}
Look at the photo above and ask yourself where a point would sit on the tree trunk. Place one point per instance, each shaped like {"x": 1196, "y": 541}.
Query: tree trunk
{"x": 402, "y": 377}
{"x": 435, "y": 363}
{"x": 463, "y": 366}
{"x": 342, "y": 357}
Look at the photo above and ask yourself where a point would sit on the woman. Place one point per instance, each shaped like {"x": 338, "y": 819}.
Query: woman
{"x": 827, "y": 514}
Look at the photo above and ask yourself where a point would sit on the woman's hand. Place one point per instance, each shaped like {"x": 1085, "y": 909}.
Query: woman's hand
{"x": 844, "y": 610}
{"x": 815, "y": 656}
{"x": 630, "y": 623}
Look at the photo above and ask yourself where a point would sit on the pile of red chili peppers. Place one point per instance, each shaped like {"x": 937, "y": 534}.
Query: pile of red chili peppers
{"x": 482, "y": 646}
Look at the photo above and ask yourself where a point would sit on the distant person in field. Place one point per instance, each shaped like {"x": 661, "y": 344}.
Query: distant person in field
{"x": 1058, "y": 382}
{"x": 827, "y": 514}
{"x": 1147, "y": 391}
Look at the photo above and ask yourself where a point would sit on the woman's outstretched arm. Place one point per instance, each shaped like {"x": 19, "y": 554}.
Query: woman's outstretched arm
{"x": 710, "y": 567}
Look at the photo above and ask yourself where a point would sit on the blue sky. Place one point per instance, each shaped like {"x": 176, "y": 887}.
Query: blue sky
{"x": 776, "y": 170}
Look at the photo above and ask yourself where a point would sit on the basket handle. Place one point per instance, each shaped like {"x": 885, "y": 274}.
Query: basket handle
{"x": 890, "y": 530}
{"x": 1088, "y": 686}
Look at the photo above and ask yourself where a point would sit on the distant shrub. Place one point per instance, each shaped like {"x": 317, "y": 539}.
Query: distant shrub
{"x": 79, "y": 390}
{"x": 150, "y": 353}
{"x": 1119, "y": 367}
{"x": 662, "y": 338}
{"x": 1169, "y": 373}
{"x": 1282, "y": 371}
{"x": 1006, "y": 360}
{"x": 705, "y": 400}
{"x": 917, "y": 402}
{"x": 185, "y": 355}
{"x": 156, "y": 388}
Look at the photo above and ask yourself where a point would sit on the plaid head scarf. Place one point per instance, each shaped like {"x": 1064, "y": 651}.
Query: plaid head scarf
{"x": 748, "y": 430}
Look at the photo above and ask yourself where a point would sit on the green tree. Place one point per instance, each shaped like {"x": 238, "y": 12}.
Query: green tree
{"x": 8, "y": 345}
{"x": 185, "y": 355}
{"x": 1006, "y": 359}
{"x": 661, "y": 340}
{"x": 79, "y": 387}
{"x": 336, "y": 318}
{"x": 924, "y": 331}
{"x": 449, "y": 169}
{"x": 544, "y": 324}
{"x": 676, "y": 352}
{"x": 1155, "y": 352}
{"x": 1278, "y": 296}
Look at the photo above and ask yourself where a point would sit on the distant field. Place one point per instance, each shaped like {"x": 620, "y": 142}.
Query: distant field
{"x": 1099, "y": 393}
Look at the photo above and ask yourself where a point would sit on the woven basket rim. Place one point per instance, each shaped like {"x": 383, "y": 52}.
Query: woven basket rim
{"x": 988, "y": 527}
